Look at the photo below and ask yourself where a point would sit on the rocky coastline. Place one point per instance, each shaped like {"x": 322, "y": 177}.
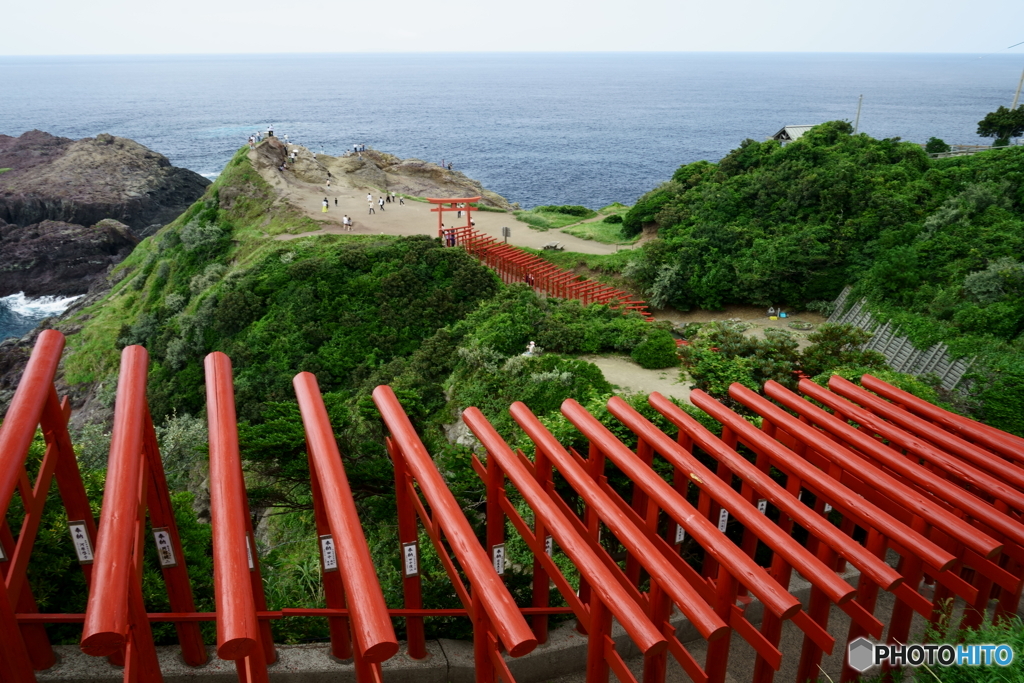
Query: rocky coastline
{"x": 70, "y": 209}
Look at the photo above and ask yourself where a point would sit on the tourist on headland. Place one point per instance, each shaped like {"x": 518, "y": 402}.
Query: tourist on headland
{"x": 326, "y": 204}
{"x": 369, "y": 201}
{"x": 381, "y": 202}
{"x": 392, "y": 196}
{"x": 401, "y": 200}
{"x": 335, "y": 201}
{"x": 346, "y": 222}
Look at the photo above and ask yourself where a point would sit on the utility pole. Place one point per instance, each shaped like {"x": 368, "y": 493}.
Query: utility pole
{"x": 856, "y": 124}
{"x": 1017, "y": 96}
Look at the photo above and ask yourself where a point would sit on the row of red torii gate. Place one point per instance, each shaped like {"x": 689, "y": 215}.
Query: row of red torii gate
{"x": 515, "y": 265}
{"x": 888, "y": 474}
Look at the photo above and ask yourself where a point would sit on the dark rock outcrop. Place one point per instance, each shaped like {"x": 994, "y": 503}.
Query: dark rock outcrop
{"x": 84, "y": 181}
{"x": 58, "y": 258}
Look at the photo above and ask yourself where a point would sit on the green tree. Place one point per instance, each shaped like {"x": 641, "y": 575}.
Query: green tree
{"x": 834, "y": 346}
{"x": 936, "y": 146}
{"x": 1002, "y": 124}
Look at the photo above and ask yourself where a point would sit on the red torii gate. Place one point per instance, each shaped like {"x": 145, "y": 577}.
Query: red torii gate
{"x": 449, "y": 234}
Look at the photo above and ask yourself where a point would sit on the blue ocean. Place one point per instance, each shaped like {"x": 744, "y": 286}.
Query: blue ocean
{"x": 538, "y": 128}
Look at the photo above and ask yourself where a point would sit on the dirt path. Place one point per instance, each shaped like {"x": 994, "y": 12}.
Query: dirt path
{"x": 628, "y": 377}
{"x": 756, "y": 319}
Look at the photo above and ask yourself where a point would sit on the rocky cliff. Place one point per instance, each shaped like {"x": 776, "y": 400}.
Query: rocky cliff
{"x": 377, "y": 170}
{"x": 85, "y": 181}
{"x": 69, "y": 209}
{"x": 58, "y": 258}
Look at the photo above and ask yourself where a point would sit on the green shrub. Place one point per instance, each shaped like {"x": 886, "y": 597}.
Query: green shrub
{"x": 553, "y": 217}
{"x": 834, "y": 346}
{"x": 644, "y": 211}
{"x": 569, "y": 210}
{"x": 614, "y": 218}
{"x": 936, "y": 146}
{"x": 1008, "y": 630}
{"x": 657, "y": 351}
{"x": 197, "y": 235}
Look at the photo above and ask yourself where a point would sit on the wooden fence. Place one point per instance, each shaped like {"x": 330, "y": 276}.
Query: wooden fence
{"x": 897, "y": 349}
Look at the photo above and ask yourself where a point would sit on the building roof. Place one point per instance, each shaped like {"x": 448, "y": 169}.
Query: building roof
{"x": 790, "y": 133}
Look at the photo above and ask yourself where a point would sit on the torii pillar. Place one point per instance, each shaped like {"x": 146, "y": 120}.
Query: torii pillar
{"x": 450, "y": 236}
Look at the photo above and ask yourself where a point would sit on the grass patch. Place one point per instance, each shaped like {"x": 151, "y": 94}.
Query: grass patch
{"x": 4, "y": 170}
{"x": 606, "y": 268}
{"x": 159, "y": 267}
{"x": 600, "y": 263}
{"x": 599, "y": 231}
{"x": 484, "y": 207}
{"x": 554, "y": 217}
{"x": 614, "y": 209}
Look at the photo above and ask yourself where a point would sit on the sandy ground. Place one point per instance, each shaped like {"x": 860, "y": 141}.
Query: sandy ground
{"x": 756, "y": 318}
{"x": 412, "y": 218}
{"x": 628, "y": 377}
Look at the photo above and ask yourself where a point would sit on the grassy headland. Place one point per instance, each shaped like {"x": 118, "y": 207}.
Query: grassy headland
{"x": 935, "y": 245}
{"x": 440, "y": 328}
{"x": 357, "y": 311}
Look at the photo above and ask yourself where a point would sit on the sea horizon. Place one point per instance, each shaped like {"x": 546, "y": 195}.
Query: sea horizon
{"x": 535, "y": 127}
{"x": 589, "y": 128}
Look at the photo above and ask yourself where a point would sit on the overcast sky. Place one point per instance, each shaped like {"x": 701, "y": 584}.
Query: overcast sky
{"x": 263, "y": 26}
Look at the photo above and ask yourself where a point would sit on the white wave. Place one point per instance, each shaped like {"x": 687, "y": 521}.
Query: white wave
{"x": 38, "y": 308}
{"x": 211, "y": 176}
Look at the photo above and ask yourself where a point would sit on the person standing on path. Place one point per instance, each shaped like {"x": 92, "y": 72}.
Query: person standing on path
{"x": 401, "y": 200}
{"x": 328, "y": 183}
{"x": 369, "y": 201}
{"x": 381, "y": 202}
{"x": 326, "y": 204}
{"x": 335, "y": 201}
{"x": 393, "y": 197}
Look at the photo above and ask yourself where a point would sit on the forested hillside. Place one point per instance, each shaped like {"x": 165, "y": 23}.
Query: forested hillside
{"x": 935, "y": 245}
{"x": 357, "y": 311}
